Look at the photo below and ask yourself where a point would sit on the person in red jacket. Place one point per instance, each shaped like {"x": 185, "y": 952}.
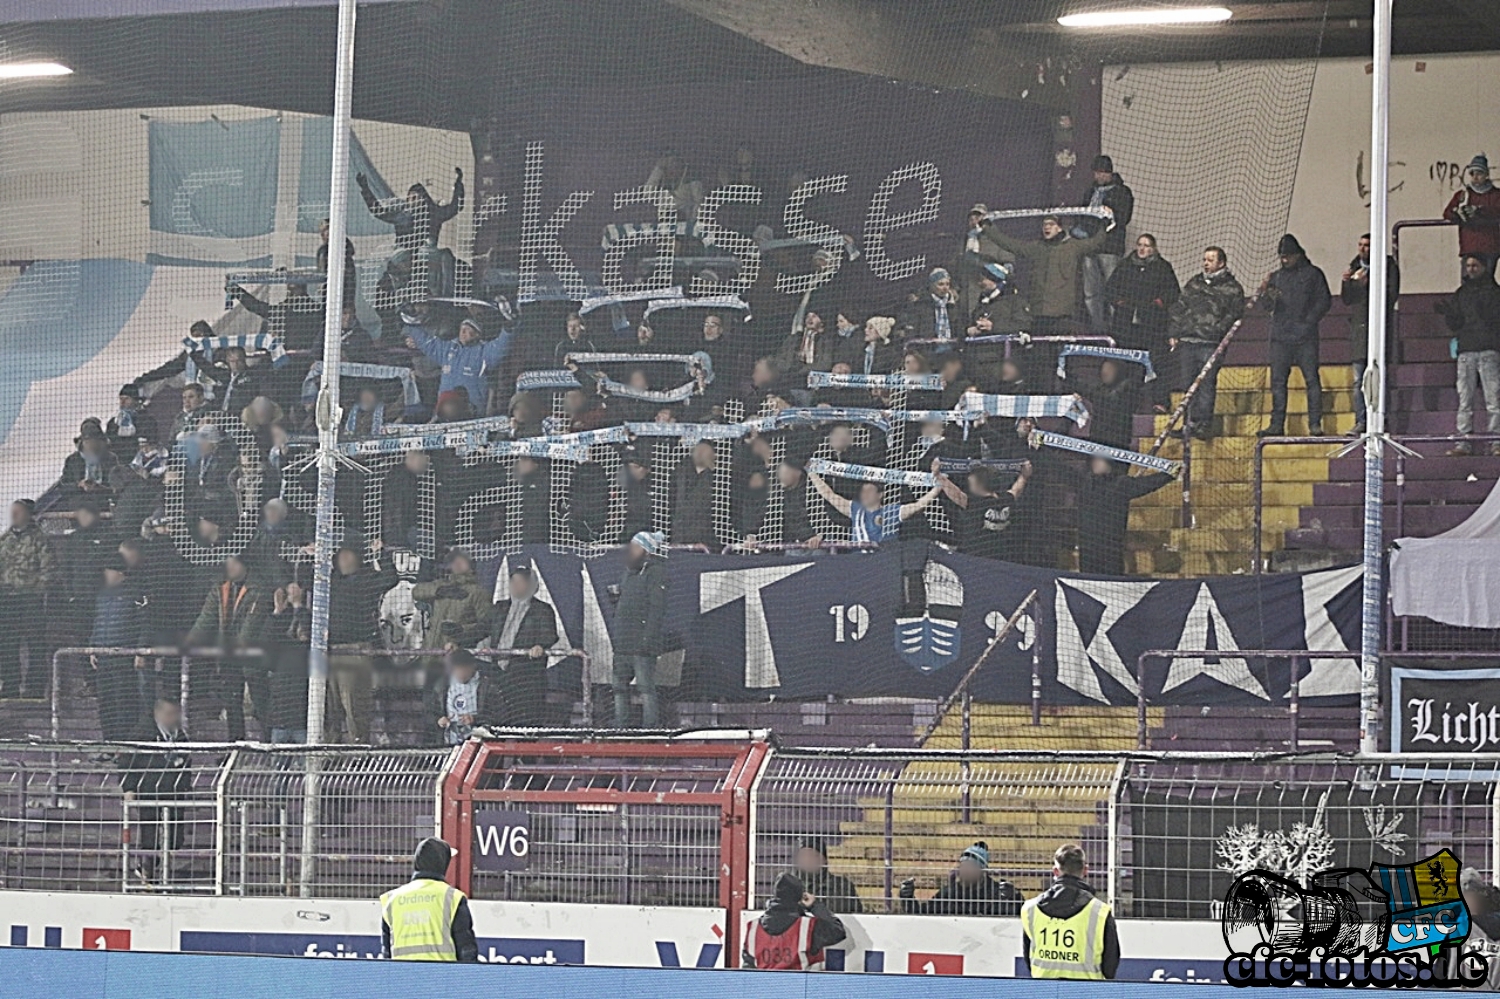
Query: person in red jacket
{"x": 793, "y": 931}
{"x": 1476, "y": 209}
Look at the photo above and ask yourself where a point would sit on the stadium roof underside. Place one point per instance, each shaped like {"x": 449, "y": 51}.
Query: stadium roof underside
{"x": 445, "y": 64}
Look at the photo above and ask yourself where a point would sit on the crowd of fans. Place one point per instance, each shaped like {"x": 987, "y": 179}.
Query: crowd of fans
{"x": 186, "y": 528}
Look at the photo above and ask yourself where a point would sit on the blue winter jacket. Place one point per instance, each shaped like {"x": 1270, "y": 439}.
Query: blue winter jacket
{"x": 464, "y": 367}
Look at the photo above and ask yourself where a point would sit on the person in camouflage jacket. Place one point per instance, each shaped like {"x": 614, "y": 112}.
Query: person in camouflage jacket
{"x": 1212, "y": 301}
{"x": 28, "y": 569}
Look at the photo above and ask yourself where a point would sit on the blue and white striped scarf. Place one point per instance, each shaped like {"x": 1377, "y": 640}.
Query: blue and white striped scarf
{"x": 605, "y": 301}
{"x": 250, "y": 343}
{"x": 585, "y": 438}
{"x": 435, "y": 440}
{"x": 410, "y": 397}
{"x": 827, "y": 379}
{"x": 815, "y": 415}
{"x": 1041, "y": 438}
{"x": 680, "y": 394}
{"x": 942, "y": 325}
{"x": 537, "y": 447}
{"x": 869, "y": 473}
{"x": 690, "y": 432}
{"x": 536, "y": 381}
{"x": 488, "y": 424}
{"x": 1141, "y": 357}
{"x": 377, "y": 419}
{"x": 707, "y": 302}
{"x": 1026, "y": 406}
{"x": 691, "y": 363}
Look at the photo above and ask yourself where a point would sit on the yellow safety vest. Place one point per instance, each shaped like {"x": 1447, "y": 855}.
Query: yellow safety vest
{"x": 420, "y": 914}
{"x": 1066, "y": 948}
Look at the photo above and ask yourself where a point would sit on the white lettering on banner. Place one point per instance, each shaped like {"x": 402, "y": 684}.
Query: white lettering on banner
{"x": 742, "y": 247}
{"x": 879, "y": 223}
{"x": 663, "y": 234}
{"x": 541, "y": 241}
{"x": 560, "y": 933}
{"x": 719, "y": 589}
{"x": 184, "y": 219}
{"x": 1076, "y": 659}
{"x": 1471, "y": 729}
{"x": 799, "y": 226}
{"x": 1232, "y": 671}
{"x": 856, "y": 615}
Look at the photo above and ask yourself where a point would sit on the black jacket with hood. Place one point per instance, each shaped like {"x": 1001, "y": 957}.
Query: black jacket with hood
{"x": 785, "y": 908}
{"x": 431, "y": 864}
{"x": 1066, "y": 898}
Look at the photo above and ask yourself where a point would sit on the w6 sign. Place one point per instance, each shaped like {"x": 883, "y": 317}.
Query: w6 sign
{"x": 502, "y": 839}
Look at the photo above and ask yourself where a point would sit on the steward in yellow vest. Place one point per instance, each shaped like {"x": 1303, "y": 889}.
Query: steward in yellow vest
{"x": 1066, "y": 932}
{"x": 428, "y": 919}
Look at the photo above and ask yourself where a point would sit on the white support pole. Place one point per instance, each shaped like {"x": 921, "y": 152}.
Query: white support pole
{"x": 1372, "y": 614}
{"x": 328, "y": 419}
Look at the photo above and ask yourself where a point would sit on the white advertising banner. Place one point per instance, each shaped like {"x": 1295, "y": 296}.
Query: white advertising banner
{"x": 558, "y": 933}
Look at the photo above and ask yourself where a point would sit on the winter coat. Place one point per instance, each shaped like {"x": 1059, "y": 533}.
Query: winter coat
{"x": 1208, "y": 306}
{"x": 641, "y": 613}
{"x": 399, "y": 506}
{"x": 460, "y": 610}
{"x": 1298, "y": 298}
{"x": 124, "y": 437}
{"x": 1141, "y": 290}
{"x": 1054, "y": 262}
{"x": 160, "y": 774}
{"x": 1104, "y": 515}
{"x": 827, "y": 928}
{"x": 988, "y": 897}
{"x": 834, "y": 889}
{"x": 1005, "y": 309}
{"x": 1356, "y": 295}
{"x": 920, "y": 318}
{"x": 234, "y": 616}
{"x": 27, "y": 561}
{"x": 1481, "y": 234}
{"x": 1112, "y": 412}
{"x": 523, "y": 679}
{"x": 1065, "y": 899}
{"x": 297, "y": 321}
{"x": 354, "y": 606}
{"x": 1473, "y": 314}
{"x": 464, "y": 367}
{"x": 83, "y": 554}
{"x": 1119, "y": 199}
{"x": 693, "y": 505}
{"x": 120, "y": 617}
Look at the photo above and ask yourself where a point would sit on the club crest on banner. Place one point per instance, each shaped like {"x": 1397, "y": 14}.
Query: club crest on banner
{"x": 932, "y": 640}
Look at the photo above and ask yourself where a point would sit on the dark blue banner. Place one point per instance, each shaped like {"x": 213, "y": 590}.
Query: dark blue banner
{"x": 911, "y": 621}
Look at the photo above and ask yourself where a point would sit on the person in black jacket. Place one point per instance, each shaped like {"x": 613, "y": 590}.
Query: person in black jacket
{"x": 287, "y": 645}
{"x": 1473, "y": 314}
{"x": 1107, "y": 191}
{"x": 768, "y": 944}
{"x": 693, "y": 497}
{"x": 796, "y": 527}
{"x": 835, "y": 889}
{"x": 354, "y": 592}
{"x": 431, "y": 864}
{"x": 158, "y": 777}
{"x": 635, "y": 485}
{"x": 1141, "y": 290}
{"x": 970, "y": 890}
{"x": 121, "y": 682}
{"x": 1112, "y": 404}
{"x": 297, "y": 319}
{"x": 84, "y": 552}
{"x": 1354, "y": 291}
{"x": 130, "y": 425}
{"x": 534, "y": 500}
{"x": 521, "y": 621}
{"x": 400, "y": 503}
{"x": 1298, "y": 297}
{"x": 1066, "y": 898}
{"x": 639, "y": 627}
{"x": 1104, "y": 496}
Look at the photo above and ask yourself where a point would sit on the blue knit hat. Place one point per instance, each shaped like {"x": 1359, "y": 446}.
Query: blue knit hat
{"x": 652, "y": 542}
{"x": 938, "y": 274}
{"x": 979, "y": 853}
{"x": 999, "y": 272}
{"x": 1480, "y": 162}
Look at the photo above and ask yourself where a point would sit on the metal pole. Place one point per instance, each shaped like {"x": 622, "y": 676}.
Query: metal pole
{"x": 1374, "y": 384}
{"x": 1258, "y": 477}
{"x": 328, "y": 419}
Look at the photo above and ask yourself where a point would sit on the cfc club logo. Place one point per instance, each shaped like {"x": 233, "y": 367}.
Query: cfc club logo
{"x": 1382, "y": 927}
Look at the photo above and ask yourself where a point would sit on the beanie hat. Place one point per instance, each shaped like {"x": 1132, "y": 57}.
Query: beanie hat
{"x": 999, "y": 272}
{"x": 1480, "y": 162}
{"x": 478, "y": 330}
{"x": 131, "y": 389}
{"x": 979, "y": 853}
{"x": 980, "y": 208}
{"x": 1289, "y": 246}
{"x": 816, "y": 845}
{"x": 789, "y": 889}
{"x": 938, "y": 274}
{"x": 1104, "y": 164}
{"x": 432, "y": 857}
{"x": 650, "y": 541}
{"x": 883, "y": 326}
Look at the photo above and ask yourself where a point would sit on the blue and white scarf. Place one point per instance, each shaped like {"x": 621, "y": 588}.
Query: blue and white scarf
{"x": 869, "y": 473}
{"x": 410, "y": 397}
{"x": 942, "y": 326}
{"x": 1141, "y": 357}
{"x": 377, "y": 419}
{"x": 586, "y": 438}
{"x": 963, "y": 466}
{"x": 930, "y": 416}
{"x": 537, "y": 447}
{"x": 1041, "y": 438}
{"x": 605, "y": 301}
{"x": 827, "y": 379}
{"x": 250, "y": 343}
{"x": 1033, "y": 407}
{"x": 707, "y": 302}
{"x": 816, "y": 415}
{"x": 680, "y": 394}
{"x": 619, "y": 231}
{"x": 435, "y": 440}
{"x": 536, "y": 381}
{"x": 690, "y": 432}
{"x": 487, "y": 424}
{"x": 691, "y": 363}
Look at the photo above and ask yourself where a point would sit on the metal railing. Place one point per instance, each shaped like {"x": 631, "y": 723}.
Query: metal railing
{"x": 213, "y": 819}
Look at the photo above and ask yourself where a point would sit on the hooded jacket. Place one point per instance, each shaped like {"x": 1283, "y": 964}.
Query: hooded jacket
{"x": 1208, "y": 306}
{"x": 988, "y": 897}
{"x": 466, "y": 367}
{"x": 1066, "y": 898}
{"x": 1356, "y": 295}
{"x": 1481, "y": 233}
{"x": 642, "y": 610}
{"x": 1298, "y": 298}
{"x": 432, "y": 865}
{"x": 783, "y": 910}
